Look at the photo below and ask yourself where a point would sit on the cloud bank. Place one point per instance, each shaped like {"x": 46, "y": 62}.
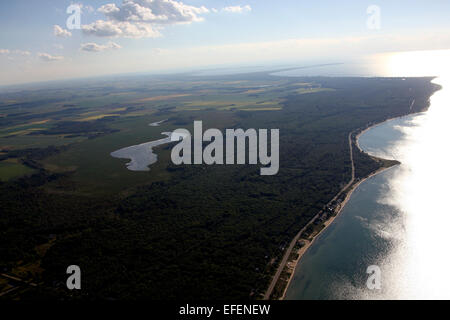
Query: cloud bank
{"x": 237, "y": 9}
{"x": 60, "y": 32}
{"x": 49, "y": 58}
{"x": 142, "y": 18}
{"x": 94, "y": 47}
{"x": 15, "y": 52}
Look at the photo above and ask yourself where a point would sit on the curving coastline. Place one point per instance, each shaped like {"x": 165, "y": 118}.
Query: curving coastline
{"x": 293, "y": 264}
{"x": 292, "y": 257}
{"x": 304, "y": 249}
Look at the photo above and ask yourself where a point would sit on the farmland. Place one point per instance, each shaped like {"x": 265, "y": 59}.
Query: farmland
{"x": 207, "y": 232}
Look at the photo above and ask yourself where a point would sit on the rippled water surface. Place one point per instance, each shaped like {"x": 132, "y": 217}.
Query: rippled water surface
{"x": 398, "y": 220}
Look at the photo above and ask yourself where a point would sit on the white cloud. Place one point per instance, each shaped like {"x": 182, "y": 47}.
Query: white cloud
{"x": 22, "y": 52}
{"x": 9, "y": 53}
{"x": 94, "y": 47}
{"x": 48, "y": 57}
{"x": 112, "y": 29}
{"x": 238, "y": 9}
{"x": 86, "y": 8}
{"x": 161, "y": 51}
{"x": 60, "y": 32}
{"x": 109, "y": 9}
{"x": 142, "y": 18}
{"x": 153, "y": 11}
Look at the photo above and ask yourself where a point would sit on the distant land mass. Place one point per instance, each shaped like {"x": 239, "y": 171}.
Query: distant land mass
{"x": 174, "y": 232}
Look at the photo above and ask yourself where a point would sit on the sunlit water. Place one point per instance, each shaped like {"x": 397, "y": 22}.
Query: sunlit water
{"x": 141, "y": 156}
{"x": 400, "y": 219}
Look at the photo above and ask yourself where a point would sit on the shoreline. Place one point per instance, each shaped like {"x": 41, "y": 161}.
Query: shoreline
{"x": 376, "y": 125}
{"x": 292, "y": 265}
{"x": 302, "y": 251}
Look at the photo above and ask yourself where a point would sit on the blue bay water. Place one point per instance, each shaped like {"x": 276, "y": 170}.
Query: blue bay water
{"x": 398, "y": 220}
{"x": 335, "y": 265}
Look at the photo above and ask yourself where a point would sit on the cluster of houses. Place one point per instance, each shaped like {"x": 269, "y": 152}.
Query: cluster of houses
{"x": 328, "y": 211}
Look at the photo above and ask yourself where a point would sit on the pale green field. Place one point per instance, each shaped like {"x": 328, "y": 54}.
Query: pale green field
{"x": 129, "y": 108}
{"x": 12, "y": 169}
{"x": 313, "y": 90}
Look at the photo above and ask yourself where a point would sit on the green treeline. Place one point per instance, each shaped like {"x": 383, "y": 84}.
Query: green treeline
{"x": 208, "y": 232}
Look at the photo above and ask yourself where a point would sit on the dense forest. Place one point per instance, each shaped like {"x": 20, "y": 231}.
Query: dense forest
{"x": 208, "y": 232}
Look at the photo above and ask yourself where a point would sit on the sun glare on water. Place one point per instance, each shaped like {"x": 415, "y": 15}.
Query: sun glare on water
{"x": 418, "y": 265}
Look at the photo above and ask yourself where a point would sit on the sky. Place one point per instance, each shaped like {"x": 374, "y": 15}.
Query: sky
{"x": 129, "y": 36}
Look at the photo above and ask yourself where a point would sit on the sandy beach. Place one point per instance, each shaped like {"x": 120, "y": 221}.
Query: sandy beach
{"x": 293, "y": 265}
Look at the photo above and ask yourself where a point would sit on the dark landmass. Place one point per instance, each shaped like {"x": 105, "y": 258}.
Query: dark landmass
{"x": 189, "y": 232}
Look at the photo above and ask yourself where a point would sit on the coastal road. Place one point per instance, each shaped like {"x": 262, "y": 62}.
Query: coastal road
{"x": 299, "y": 234}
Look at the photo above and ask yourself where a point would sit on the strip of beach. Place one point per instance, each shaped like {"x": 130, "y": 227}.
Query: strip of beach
{"x": 308, "y": 234}
{"x": 292, "y": 265}
{"x": 304, "y": 239}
